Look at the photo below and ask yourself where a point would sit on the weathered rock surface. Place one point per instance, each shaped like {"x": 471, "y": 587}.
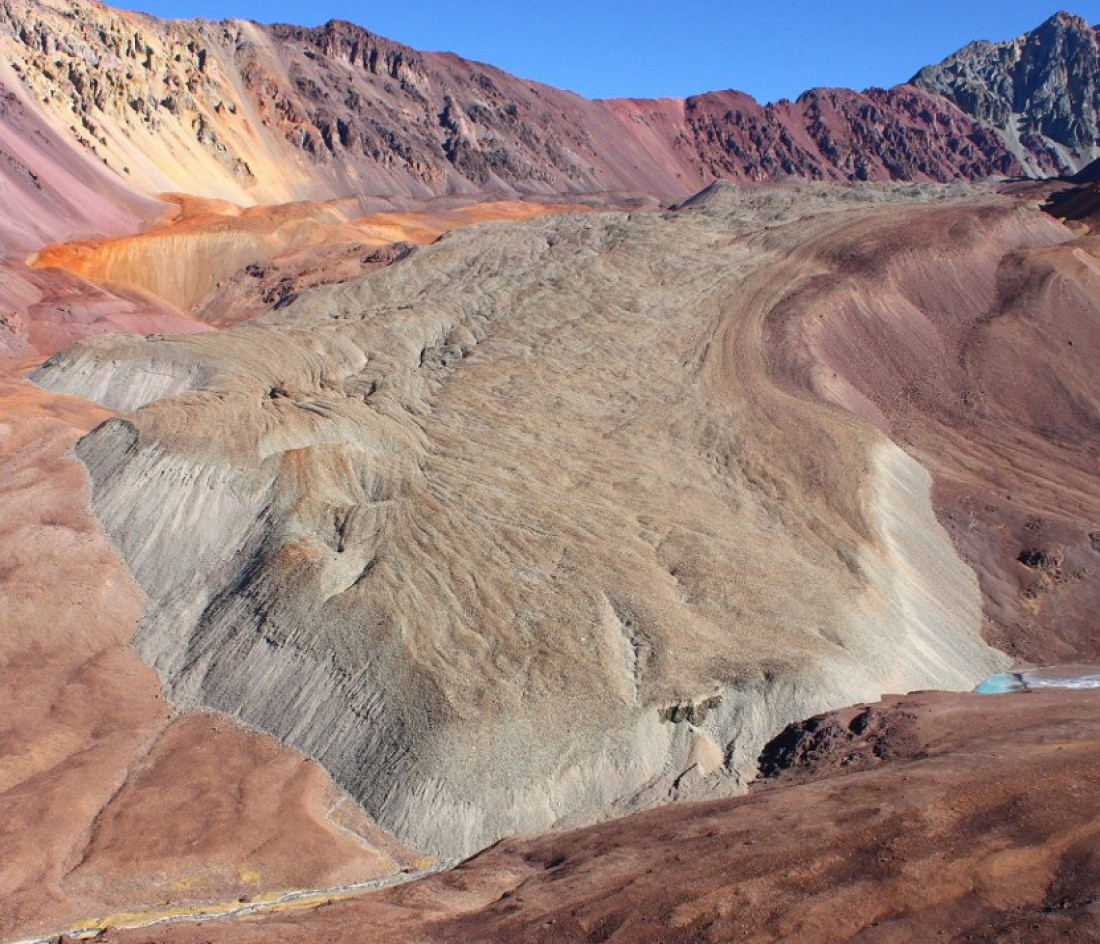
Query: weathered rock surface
{"x": 420, "y": 526}
{"x": 1041, "y": 91}
{"x": 545, "y": 523}
{"x": 270, "y": 114}
{"x": 976, "y": 821}
{"x": 52, "y": 188}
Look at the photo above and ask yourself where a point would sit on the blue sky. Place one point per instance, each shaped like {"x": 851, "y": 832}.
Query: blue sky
{"x": 604, "y": 48}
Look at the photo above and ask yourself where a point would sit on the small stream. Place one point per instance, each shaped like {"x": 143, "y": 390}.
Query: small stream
{"x": 1029, "y": 680}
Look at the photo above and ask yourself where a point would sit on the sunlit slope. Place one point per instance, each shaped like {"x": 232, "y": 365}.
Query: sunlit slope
{"x": 521, "y": 530}
{"x": 972, "y": 337}
{"x": 265, "y": 114}
{"x": 186, "y": 260}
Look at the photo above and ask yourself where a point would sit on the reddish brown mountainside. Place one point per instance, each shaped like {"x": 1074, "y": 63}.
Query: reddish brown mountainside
{"x": 258, "y": 113}
{"x": 540, "y": 523}
{"x": 971, "y": 819}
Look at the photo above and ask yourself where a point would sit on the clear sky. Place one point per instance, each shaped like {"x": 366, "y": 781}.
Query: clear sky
{"x": 646, "y": 48}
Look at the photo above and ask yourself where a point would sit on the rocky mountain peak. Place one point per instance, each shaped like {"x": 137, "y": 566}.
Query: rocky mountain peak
{"x": 1041, "y": 90}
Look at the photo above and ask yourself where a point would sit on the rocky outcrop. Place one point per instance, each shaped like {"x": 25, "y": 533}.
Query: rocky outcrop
{"x": 269, "y": 114}
{"x": 419, "y": 526}
{"x": 837, "y": 134}
{"x": 1040, "y": 91}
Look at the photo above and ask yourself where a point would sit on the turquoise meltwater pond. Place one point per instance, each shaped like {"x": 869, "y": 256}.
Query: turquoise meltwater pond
{"x": 1027, "y": 680}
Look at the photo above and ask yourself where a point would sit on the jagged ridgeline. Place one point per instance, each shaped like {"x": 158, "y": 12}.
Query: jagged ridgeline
{"x": 266, "y": 114}
{"x": 1040, "y": 91}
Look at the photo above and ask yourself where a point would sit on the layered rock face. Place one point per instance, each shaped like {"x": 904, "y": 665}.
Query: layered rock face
{"x": 266, "y": 114}
{"x": 420, "y": 526}
{"x": 1041, "y": 91}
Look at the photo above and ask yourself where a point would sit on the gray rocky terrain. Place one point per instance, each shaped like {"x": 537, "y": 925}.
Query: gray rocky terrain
{"x": 521, "y": 531}
{"x": 1041, "y": 91}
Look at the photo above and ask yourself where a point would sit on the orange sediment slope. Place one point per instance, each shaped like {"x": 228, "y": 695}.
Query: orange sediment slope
{"x": 186, "y": 259}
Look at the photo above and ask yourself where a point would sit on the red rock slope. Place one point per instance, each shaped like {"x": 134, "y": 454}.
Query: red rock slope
{"x": 267, "y": 114}
{"x": 961, "y": 818}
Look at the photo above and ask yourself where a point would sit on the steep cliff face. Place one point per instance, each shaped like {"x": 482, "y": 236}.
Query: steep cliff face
{"x": 1041, "y": 91}
{"x": 265, "y": 114}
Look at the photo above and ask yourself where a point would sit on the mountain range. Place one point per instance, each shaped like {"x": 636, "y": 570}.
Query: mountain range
{"x": 265, "y": 114}
{"x": 412, "y": 471}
